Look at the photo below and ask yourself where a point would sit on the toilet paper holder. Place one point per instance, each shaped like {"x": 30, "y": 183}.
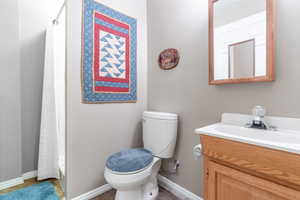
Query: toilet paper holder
{"x": 197, "y": 151}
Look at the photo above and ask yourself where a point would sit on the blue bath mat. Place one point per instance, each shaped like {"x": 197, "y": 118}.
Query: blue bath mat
{"x": 41, "y": 191}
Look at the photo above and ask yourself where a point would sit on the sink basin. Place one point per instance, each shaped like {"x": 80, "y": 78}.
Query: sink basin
{"x": 286, "y": 138}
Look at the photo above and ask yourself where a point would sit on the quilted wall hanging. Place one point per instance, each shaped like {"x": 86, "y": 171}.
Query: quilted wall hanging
{"x": 108, "y": 55}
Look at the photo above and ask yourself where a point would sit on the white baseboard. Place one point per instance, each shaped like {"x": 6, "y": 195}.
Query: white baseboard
{"x": 11, "y": 183}
{"x": 172, "y": 187}
{"x": 167, "y": 184}
{"x": 176, "y": 189}
{"x": 29, "y": 175}
{"x": 94, "y": 193}
{"x": 17, "y": 181}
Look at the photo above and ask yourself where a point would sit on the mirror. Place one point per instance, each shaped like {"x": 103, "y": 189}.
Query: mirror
{"x": 242, "y": 59}
{"x": 241, "y": 41}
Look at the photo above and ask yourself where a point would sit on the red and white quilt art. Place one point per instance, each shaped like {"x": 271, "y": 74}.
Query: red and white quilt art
{"x": 109, "y": 55}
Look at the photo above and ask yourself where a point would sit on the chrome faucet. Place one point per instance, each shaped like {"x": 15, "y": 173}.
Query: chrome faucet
{"x": 259, "y": 122}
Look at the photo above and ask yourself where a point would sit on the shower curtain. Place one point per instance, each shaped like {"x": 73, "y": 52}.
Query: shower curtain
{"x": 52, "y": 130}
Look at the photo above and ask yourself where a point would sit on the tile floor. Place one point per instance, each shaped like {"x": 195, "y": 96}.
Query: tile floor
{"x": 163, "y": 195}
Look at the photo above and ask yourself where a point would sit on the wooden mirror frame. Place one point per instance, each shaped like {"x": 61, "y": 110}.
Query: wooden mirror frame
{"x": 270, "y": 76}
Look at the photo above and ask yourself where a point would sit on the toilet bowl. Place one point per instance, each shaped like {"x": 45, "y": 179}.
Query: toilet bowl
{"x": 133, "y": 172}
{"x": 135, "y": 185}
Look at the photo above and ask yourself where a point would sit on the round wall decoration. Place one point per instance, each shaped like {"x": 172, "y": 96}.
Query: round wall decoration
{"x": 168, "y": 59}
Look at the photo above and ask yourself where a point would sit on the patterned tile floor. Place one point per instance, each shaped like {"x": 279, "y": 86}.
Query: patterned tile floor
{"x": 163, "y": 195}
{"x": 32, "y": 181}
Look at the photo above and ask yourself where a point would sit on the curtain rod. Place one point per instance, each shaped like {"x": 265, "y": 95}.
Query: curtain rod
{"x": 55, "y": 21}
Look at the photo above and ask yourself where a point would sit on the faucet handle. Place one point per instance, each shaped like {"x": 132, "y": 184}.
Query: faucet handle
{"x": 273, "y": 128}
{"x": 248, "y": 125}
{"x": 259, "y": 111}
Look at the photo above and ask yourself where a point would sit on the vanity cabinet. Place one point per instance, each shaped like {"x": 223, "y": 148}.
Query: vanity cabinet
{"x": 225, "y": 183}
{"x": 240, "y": 171}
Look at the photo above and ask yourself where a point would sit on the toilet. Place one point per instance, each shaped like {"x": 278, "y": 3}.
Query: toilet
{"x": 133, "y": 172}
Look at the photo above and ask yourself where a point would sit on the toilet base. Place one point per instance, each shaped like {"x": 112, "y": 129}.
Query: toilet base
{"x": 151, "y": 195}
{"x": 150, "y": 189}
{"x": 129, "y": 194}
{"x": 137, "y": 194}
{"x": 146, "y": 191}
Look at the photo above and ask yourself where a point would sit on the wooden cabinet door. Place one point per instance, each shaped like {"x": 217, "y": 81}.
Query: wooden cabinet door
{"x": 225, "y": 183}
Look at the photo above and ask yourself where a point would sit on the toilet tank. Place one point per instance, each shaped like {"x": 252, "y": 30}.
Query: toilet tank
{"x": 160, "y": 133}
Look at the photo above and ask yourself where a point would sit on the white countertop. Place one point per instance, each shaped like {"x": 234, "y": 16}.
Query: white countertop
{"x": 231, "y": 128}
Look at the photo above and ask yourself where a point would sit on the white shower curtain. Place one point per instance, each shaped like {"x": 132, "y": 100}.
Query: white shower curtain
{"x": 51, "y": 147}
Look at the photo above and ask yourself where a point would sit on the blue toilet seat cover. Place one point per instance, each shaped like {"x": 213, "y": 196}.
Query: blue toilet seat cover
{"x": 129, "y": 160}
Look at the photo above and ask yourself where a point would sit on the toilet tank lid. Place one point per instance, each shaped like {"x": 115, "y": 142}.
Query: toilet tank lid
{"x": 160, "y": 115}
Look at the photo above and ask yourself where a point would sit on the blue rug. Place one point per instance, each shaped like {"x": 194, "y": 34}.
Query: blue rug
{"x": 41, "y": 191}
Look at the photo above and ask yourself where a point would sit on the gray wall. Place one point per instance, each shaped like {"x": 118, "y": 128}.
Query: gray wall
{"x": 94, "y": 132}
{"x": 21, "y": 73}
{"x": 185, "y": 90}
{"x": 33, "y": 23}
{"x": 35, "y": 16}
{"x": 10, "y": 106}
